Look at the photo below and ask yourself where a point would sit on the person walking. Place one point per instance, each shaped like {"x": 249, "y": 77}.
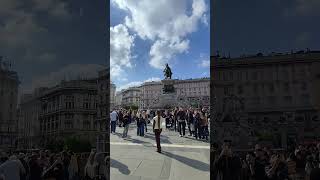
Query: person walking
{"x": 175, "y": 112}
{"x": 204, "y": 125}
{"x": 89, "y": 169}
{"x": 148, "y": 119}
{"x": 126, "y": 123}
{"x": 143, "y": 122}
{"x": 197, "y": 125}
{"x": 182, "y": 122}
{"x": 138, "y": 122}
{"x": 113, "y": 119}
{"x": 120, "y": 117}
{"x": 157, "y": 129}
{"x": 189, "y": 121}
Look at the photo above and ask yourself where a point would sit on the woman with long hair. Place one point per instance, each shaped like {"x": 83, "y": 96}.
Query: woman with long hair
{"x": 89, "y": 171}
{"x": 74, "y": 168}
{"x": 100, "y": 166}
{"x": 157, "y": 129}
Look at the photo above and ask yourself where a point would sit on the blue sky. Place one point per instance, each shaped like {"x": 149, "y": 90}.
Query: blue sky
{"x": 251, "y": 26}
{"x": 48, "y": 41}
{"x": 147, "y": 34}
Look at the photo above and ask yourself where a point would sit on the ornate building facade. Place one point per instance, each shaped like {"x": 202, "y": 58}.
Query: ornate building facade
{"x": 9, "y": 84}
{"x": 68, "y": 109}
{"x": 190, "y": 92}
{"x": 267, "y": 98}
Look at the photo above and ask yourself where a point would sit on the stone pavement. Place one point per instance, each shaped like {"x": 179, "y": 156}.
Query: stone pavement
{"x": 135, "y": 158}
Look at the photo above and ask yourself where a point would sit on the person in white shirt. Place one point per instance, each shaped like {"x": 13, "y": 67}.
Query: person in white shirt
{"x": 157, "y": 129}
{"x": 113, "y": 119}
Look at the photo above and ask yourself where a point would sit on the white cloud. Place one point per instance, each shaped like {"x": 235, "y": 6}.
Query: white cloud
{"x": 22, "y": 34}
{"x": 56, "y": 8}
{"x": 70, "y": 72}
{"x": 303, "y": 38}
{"x": 121, "y": 43}
{"x": 153, "y": 79}
{"x": 163, "y": 51}
{"x": 166, "y": 22}
{"x": 205, "y": 63}
{"x": 303, "y": 8}
{"x": 20, "y": 30}
{"x": 131, "y": 84}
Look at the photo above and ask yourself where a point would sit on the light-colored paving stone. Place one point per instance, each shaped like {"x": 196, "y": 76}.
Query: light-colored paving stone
{"x": 135, "y": 158}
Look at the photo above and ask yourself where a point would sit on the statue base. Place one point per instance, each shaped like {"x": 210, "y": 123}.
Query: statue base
{"x": 168, "y": 86}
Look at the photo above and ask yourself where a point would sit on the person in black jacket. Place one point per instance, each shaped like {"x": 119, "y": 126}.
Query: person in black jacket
{"x": 260, "y": 164}
{"x": 228, "y": 165}
{"x": 120, "y": 117}
{"x": 181, "y": 115}
{"x": 197, "y": 125}
{"x": 35, "y": 168}
{"x": 125, "y": 125}
{"x": 190, "y": 121}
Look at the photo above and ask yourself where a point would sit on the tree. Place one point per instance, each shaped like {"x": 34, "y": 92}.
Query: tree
{"x": 77, "y": 145}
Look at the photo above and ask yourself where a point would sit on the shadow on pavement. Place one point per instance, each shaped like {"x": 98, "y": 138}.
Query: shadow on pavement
{"x": 135, "y": 141}
{"x": 190, "y": 162}
{"x": 200, "y": 140}
{"x": 120, "y": 135}
{"x": 120, "y": 166}
{"x": 164, "y": 139}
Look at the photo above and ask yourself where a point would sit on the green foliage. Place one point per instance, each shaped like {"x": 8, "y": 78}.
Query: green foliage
{"x": 54, "y": 145}
{"x": 265, "y": 136}
{"x": 70, "y": 143}
{"x": 77, "y": 145}
{"x": 132, "y": 107}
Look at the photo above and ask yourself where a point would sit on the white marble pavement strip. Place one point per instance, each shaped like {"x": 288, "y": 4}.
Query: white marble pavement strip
{"x": 162, "y": 145}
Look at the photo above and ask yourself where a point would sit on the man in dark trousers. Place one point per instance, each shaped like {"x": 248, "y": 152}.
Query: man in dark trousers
{"x": 181, "y": 115}
{"x": 157, "y": 129}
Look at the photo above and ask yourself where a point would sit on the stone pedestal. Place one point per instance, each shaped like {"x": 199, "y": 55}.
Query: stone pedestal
{"x": 168, "y": 86}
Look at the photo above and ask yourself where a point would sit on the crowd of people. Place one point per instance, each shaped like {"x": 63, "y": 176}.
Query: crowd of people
{"x": 195, "y": 120}
{"x": 263, "y": 163}
{"x": 45, "y": 165}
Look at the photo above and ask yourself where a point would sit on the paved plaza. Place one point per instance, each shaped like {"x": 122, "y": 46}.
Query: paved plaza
{"x": 135, "y": 158}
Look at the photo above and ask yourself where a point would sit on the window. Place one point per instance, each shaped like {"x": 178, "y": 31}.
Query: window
{"x": 240, "y": 89}
{"x": 286, "y": 87}
{"x": 303, "y": 86}
{"x": 255, "y": 88}
{"x": 271, "y": 88}
{"x": 239, "y": 76}
{"x": 305, "y": 99}
{"x": 224, "y": 76}
{"x": 225, "y": 90}
{"x": 288, "y": 99}
{"x": 254, "y": 75}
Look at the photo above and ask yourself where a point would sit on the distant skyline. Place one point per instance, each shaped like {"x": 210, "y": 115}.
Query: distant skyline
{"x": 143, "y": 39}
{"x": 250, "y": 27}
{"x": 48, "y": 41}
